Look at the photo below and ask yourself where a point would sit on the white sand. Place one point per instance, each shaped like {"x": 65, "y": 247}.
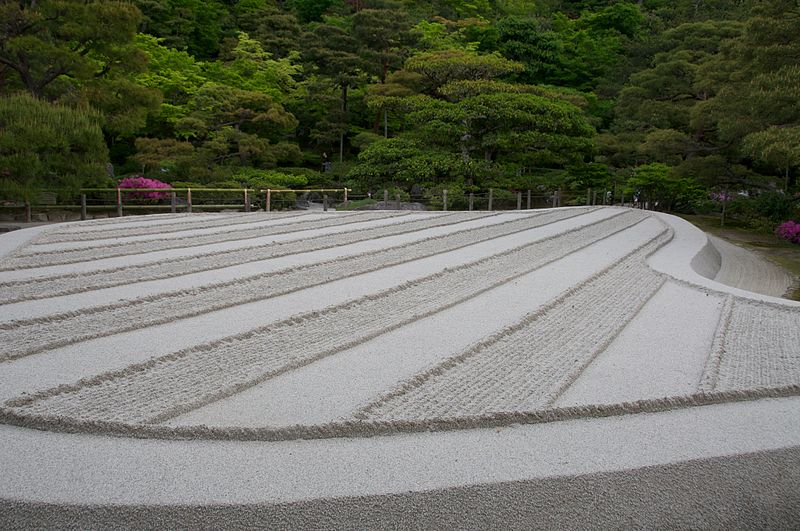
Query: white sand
{"x": 580, "y": 368}
{"x": 655, "y": 355}
{"x": 737, "y": 267}
{"x": 97, "y": 264}
{"x": 385, "y": 361}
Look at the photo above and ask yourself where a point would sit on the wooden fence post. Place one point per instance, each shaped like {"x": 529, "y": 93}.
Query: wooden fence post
{"x": 173, "y": 202}
{"x": 471, "y": 200}
{"x": 119, "y": 203}
{"x": 529, "y": 199}
{"x": 490, "y": 198}
{"x": 325, "y": 202}
{"x": 588, "y": 196}
{"x": 83, "y": 207}
{"x": 345, "y": 197}
{"x": 246, "y": 201}
{"x": 444, "y": 200}
{"x": 386, "y": 199}
{"x": 519, "y": 200}
{"x": 28, "y": 215}
{"x": 268, "y": 203}
{"x": 189, "y": 200}
{"x": 397, "y": 200}
{"x": 594, "y": 197}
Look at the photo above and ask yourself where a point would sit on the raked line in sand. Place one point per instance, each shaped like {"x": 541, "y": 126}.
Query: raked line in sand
{"x": 27, "y": 257}
{"x": 519, "y": 406}
{"x": 76, "y": 234}
{"x": 65, "y": 284}
{"x": 34, "y": 335}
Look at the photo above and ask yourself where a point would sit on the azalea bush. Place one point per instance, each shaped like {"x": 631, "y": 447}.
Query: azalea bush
{"x": 144, "y": 182}
{"x": 789, "y": 231}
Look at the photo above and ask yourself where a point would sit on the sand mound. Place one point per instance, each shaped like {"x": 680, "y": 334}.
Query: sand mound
{"x": 392, "y": 368}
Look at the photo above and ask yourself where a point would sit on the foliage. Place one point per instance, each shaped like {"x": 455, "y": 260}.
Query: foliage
{"x": 442, "y": 67}
{"x": 253, "y": 178}
{"x": 194, "y": 26}
{"x": 49, "y": 145}
{"x": 677, "y": 98}
{"x": 659, "y": 190}
{"x": 51, "y": 44}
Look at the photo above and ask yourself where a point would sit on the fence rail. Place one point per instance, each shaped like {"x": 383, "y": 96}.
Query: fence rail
{"x": 268, "y": 199}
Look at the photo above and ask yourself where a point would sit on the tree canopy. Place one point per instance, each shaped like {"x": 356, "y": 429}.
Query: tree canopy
{"x": 670, "y": 100}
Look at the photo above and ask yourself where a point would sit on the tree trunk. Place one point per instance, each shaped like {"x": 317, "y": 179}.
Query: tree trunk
{"x": 344, "y": 113}
{"x": 786, "y": 179}
{"x": 724, "y": 203}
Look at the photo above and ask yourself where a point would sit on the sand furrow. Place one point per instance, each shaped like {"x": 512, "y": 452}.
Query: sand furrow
{"x": 63, "y": 236}
{"x": 25, "y": 337}
{"x": 135, "y": 219}
{"x": 653, "y": 356}
{"x": 708, "y": 382}
{"x": 45, "y": 287}
{"x": 30, "y": 258}
{"x": 761, "y": 347}
{"x": 176, "y": 383}
{"x": 529, "y": 364}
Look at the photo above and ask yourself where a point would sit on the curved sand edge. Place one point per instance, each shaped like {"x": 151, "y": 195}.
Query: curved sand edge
{"x": 711, "y": 466}
{"x": 744, "y": 269}
{"x": 694, "y": 257}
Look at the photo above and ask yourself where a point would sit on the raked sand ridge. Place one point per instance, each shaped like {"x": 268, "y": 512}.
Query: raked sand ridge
{"x": 566, "y": 367}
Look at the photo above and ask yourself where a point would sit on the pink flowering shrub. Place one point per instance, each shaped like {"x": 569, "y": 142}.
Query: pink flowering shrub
{"x": 789, "y": 231}
{"x": 144, "y": 182}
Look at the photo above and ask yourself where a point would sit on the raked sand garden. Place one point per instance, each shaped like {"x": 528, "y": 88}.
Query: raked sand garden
{"x": 573, "y": 367}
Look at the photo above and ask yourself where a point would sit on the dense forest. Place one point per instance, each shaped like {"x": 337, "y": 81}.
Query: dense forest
{"x": 689, "y": 104}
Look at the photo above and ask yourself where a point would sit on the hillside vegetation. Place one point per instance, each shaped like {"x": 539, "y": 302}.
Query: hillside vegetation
{"x": 686, "y": 105}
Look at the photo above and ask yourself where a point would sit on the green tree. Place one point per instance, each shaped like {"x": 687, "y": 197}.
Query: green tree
{"x": 569, "y": 52}
{"x": 334, "y": 55}
{"x": 239, "y": 127}
{"x": 384, "y": 36}
{"x": 662, "y": 114}
{"x": 49, "y": 46}
{"x": 49, "y": 145}
{"x": 311, "y": 10}
{"x": 195, "y": 26}
{"x": 439, "y": 68}
{"x": 757, "y": 83}
{"x": 277, "y": 30}
{"x": 776, "y": 147}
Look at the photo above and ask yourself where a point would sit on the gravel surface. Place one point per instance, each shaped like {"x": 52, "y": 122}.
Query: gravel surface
{"x": 28, "y": 257}
{"x": 34, "y": 335}
{"x": 381, "y": 368}
{"x": 47, "y": 287}
{"x": 163, "y": 388}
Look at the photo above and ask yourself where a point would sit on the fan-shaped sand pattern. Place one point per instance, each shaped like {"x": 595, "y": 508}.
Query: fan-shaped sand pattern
{"x": 372, "y": 358}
